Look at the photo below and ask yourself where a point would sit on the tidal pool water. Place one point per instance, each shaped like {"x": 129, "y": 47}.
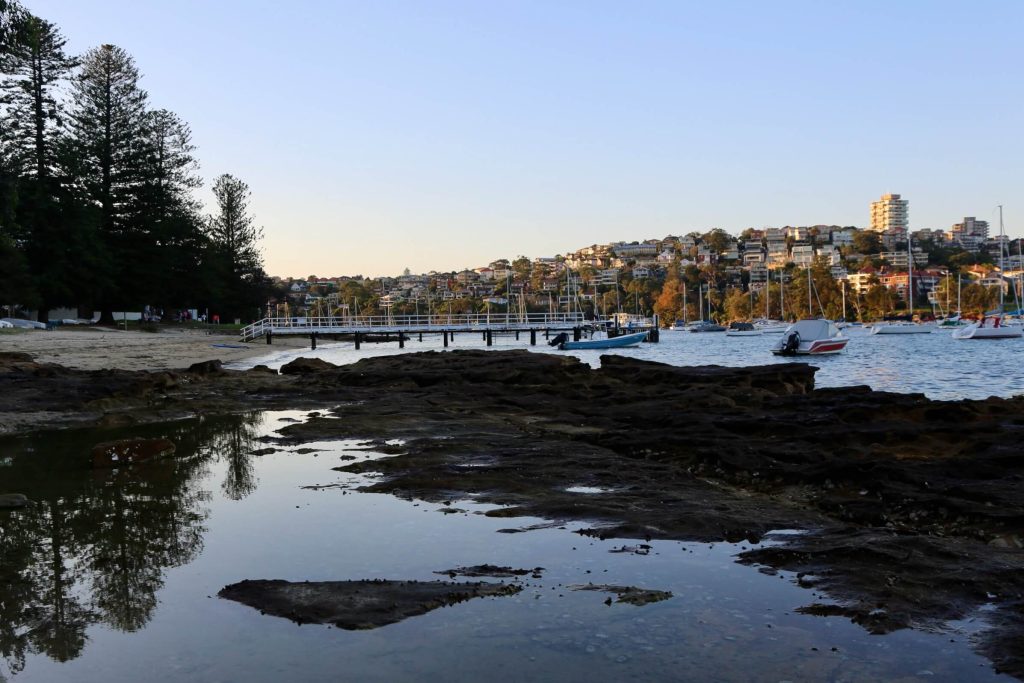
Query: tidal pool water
{"x": 932, "y": 364}
{"x": 113, "y": 576}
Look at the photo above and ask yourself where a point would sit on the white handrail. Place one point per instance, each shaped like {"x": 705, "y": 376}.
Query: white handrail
{"x": 384, "y": 323}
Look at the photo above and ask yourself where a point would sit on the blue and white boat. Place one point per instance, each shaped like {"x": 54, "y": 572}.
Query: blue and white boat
{"x": 609, "y": 343}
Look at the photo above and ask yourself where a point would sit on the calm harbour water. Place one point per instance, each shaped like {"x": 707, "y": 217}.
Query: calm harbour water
{"x": 932, "y": 364}
{"x": 113, "y": 577}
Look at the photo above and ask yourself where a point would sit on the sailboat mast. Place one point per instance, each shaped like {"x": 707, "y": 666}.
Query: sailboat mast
{"x": 684, "y": 301}
{"x": 568, "y": 291}
{"x": 910, "y": 276}
{"x": 618, "y": 304}
{"x": 958, "y": 277}
{"x": 810, "y": 286}
{"x": 844, "y": 300}
{"x": 1020, "y": 271}
{"x": 1000, "y": 259}
{"x": 767, "y": 293}
{"x": 782, "y": 297}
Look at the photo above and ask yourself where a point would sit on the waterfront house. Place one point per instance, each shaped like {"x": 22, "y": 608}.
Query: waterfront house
{"x": 802, "y": 255}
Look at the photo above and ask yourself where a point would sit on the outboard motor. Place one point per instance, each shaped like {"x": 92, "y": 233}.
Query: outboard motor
{"x": 791, "y": 344}
{"x": 560, "y": 338}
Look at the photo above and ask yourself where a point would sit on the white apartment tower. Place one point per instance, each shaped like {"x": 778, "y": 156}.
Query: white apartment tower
{"x": 971, "y": 226}
{"x": 889, "y": 213}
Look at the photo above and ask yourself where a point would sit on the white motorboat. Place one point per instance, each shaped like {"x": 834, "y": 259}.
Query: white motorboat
{"x": 810, "y": 338}
{"x": 901, "y": 328}
{"x": 989, "y": 327}
{"x": 706, "y": 326}
{"x": 771, "y": 326}
{"x": 739, "y": 329}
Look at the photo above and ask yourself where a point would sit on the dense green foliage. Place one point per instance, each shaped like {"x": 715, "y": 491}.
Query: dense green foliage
{"x": 97, "y": 203}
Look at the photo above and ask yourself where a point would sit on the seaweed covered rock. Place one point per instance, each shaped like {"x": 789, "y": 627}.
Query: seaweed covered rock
{"x": 306, "y": 366}
{"x": 356, "y": 605}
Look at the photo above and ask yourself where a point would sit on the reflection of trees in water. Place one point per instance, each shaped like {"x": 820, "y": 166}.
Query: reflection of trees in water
{"x": 94, "y": 545}
{"x": 40, "y": 609}
{"x": 233, "y": 446}
{"x": 60, "y": 617}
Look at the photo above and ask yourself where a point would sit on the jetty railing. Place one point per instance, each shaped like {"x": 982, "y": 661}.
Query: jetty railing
{"x": 393, "y": 324}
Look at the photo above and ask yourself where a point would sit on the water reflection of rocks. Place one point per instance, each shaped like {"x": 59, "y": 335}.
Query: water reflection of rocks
{"x": 93, "y": 546}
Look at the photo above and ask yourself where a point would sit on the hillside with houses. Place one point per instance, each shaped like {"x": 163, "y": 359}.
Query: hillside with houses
{"x": 743, "y": 276}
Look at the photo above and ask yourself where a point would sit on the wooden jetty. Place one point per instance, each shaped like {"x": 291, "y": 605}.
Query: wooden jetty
{"x": 402, "y": 326}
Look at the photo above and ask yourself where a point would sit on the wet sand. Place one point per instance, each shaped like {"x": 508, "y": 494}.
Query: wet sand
{"x": 103, "y": 348}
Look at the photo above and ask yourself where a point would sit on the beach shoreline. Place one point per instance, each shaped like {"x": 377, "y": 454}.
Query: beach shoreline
{"x": 104, "y": 348}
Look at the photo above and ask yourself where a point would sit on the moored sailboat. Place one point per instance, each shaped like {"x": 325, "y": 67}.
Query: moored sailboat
{"x": 991, "y": 326}
{"x": 905, "y": 326}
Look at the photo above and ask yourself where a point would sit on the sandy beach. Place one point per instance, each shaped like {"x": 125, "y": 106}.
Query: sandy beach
{"x": 98, "y": 348}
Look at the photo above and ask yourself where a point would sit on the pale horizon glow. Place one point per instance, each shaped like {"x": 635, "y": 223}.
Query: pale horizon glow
{"x": 444, "y": 135}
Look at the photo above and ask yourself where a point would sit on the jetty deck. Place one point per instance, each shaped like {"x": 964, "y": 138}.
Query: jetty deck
{"x": 413, "y": 324}
{"x": 403, "y": 326}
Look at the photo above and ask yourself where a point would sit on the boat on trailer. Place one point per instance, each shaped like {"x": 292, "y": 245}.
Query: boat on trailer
{"x": 810, "y": 338}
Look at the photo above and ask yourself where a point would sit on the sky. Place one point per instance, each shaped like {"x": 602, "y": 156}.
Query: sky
{"x": 433, "y": 135}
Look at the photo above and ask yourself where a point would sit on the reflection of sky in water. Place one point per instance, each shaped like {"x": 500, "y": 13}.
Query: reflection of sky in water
{"x": 933, "y": 364}
{"x": 586, "y": 489}
{"x": 725, "y": 621}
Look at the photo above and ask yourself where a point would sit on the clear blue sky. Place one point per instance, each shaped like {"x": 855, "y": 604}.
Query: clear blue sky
{"x": 380, "y": 135}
